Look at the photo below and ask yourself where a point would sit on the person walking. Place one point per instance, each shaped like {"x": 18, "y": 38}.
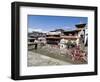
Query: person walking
{"x": 36, "y": 43}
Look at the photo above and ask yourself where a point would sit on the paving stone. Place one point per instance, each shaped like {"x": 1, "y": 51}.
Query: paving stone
{"x": 35, "y": 59}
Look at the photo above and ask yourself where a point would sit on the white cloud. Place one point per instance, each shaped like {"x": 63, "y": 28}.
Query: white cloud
{"x": 69, "y": 28}
{"x": 30, "y": 29}
{"x": 42, "y": 30}
{"x": 36, "y": 29}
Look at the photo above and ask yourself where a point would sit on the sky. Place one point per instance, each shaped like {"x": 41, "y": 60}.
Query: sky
{"x": 43, "y": 23}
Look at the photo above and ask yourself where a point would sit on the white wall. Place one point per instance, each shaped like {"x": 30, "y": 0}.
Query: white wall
{"x": 5, "y": 40}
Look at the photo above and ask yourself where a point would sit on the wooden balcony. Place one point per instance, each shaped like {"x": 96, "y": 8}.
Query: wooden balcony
{"x": 69, "y": 37}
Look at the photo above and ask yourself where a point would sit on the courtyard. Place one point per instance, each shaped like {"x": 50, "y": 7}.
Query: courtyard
{"x": 50, "y": 55}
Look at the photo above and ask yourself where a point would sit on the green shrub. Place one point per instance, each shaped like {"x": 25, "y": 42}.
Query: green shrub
{"x": 69, "y": 44}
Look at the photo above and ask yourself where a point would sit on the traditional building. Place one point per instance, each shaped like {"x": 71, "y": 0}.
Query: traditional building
{"x": 36, "y": 36}
{"x": 53, "y": 37}
{"x": 74, "y": 35}
{"x": 60, "y": 37}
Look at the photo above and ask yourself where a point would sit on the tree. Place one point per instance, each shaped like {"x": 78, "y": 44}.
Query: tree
{"x": 74, "y": 44}
{"x": 69, "y": 44}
